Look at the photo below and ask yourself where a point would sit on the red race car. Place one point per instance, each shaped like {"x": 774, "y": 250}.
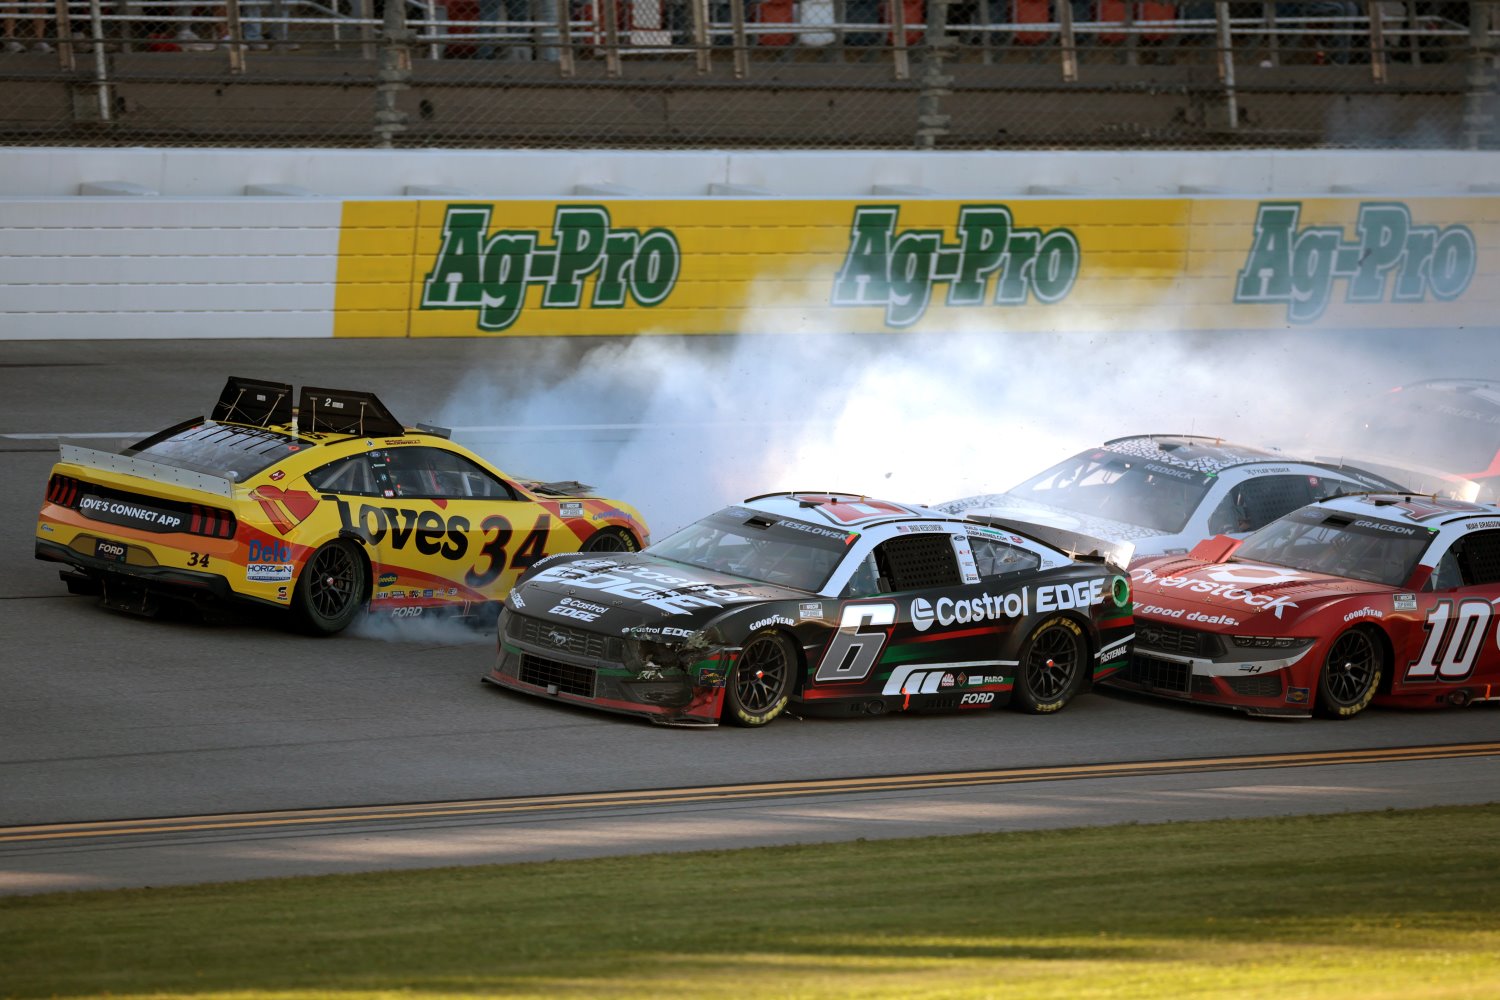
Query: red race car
{"x": 1384, "y": 598}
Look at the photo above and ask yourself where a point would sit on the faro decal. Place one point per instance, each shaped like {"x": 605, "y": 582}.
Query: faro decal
{"x": 898, "y": 270}
{"x": 1299, "y": 267}
{"x": 490, "y": 272}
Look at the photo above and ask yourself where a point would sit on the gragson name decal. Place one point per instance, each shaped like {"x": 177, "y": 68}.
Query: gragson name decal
{"x": 993, "y": 261}
{"x": 490, "y": 272}
{"x": 1388, "y": 260}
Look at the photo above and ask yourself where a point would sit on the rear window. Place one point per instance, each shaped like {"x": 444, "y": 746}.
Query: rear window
{"x": 233, "y": 452}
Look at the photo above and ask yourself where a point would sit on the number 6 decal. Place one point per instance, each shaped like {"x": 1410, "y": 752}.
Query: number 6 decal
{"x": 851, "y": 654}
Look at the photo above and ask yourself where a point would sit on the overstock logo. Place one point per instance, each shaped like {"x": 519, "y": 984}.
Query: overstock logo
{"x": 897, "y": 269}
{"x": 1299, "y": 267}
{"x": 490, "y": 272}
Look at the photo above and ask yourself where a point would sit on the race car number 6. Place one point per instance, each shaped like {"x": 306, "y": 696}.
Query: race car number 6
{"x": 851, "y": 654}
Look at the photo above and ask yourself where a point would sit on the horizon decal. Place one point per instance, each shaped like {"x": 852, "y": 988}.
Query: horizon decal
{"x": 896, "y": 269}
{"x": 491, "y": 272}
{"x": 1299, "y": 267}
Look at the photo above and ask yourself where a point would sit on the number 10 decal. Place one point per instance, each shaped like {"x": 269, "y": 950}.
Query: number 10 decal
{"x": 851, "y": 654}
{"x": 1453, "y": 642}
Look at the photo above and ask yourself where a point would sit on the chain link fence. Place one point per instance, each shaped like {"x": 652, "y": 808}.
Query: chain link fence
{"x": 748, "y": 73}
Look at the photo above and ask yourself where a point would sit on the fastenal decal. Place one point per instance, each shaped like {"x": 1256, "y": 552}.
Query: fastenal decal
{"x": 898, "y": 269}
{"x": 1390, "y": 259}
{"x": 490, "y": 272}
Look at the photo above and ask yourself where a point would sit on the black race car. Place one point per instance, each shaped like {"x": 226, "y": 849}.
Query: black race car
{"x": 836, "y": 603}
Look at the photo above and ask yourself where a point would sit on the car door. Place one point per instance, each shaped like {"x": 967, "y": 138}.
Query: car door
{"x": 914, "y": 623}
{"x": 453, "y": 530}
{"x": 1458, "y": 644}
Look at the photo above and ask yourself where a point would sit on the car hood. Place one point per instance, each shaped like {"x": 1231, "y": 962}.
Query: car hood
{"x": 636, "y": 593}
{"x": 1006, "y": 505}
{"x": 1231, "y": 593}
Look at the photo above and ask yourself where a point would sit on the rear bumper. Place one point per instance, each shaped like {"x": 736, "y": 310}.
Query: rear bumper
{"x": 165, "y": 580}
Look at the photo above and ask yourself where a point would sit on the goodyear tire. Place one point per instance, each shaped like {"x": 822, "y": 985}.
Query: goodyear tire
{"x": 1052, "y": 666}
{"x": 331, "y": 590}
{"x": 761, "y": 682}
{"x": 611, "y": 540}
{"x": 1351, "y": 674}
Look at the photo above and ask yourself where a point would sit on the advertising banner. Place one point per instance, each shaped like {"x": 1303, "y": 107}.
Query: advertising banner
{"x": 709, "y": 265}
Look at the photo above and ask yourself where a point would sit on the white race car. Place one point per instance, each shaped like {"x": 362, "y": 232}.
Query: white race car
{"x": 1167, "y": 492}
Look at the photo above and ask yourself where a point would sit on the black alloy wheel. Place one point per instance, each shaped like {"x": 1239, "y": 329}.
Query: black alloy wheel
{"x": 1350, "y": 675}
{"x": 330, "y": 592}
{"x": 761, "y": 683}
{"x": 1052, "y": 666}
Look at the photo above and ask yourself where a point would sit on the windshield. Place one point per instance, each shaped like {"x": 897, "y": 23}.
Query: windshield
{"x": 761, "y": 547}
{"x": 233, "y": 452}
{"x": 1440, "y": 427}
{"x": 1322, "y": 541}
{"x": 1121, "y": 488}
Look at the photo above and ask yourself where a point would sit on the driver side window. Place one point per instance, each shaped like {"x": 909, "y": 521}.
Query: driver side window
{"x": 1255, "y": 503}
{"x": 1473, "y": 561}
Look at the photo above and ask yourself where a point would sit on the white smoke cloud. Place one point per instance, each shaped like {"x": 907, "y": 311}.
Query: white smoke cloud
{"x": 680, "y": 426}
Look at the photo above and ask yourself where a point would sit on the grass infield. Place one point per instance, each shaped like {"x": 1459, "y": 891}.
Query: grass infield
{"x": 1369, "y": 905}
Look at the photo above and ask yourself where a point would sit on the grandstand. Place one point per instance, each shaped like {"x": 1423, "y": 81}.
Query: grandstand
{"x": 977, "y": 74}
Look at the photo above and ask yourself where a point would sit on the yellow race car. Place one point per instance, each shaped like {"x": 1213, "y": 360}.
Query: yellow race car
{"x": 322, "y": 510}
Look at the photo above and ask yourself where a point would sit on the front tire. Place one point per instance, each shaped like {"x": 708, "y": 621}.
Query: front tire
{"x": 1052, "y": 665}
{"x": 1350, "y": 675}
{"x": 611, "y": 540}
{"x": 331, "y": 590}
{"x": 761, "y": 683}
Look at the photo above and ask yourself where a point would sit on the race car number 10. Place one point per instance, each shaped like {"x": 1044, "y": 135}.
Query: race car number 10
{"x": 1453, "y": 641}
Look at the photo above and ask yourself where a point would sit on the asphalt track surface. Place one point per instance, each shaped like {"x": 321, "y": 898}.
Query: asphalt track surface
{"x": 152, "y": 752}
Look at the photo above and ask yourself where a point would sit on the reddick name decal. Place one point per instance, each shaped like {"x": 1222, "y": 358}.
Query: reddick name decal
{"x": 490, "y": 272}
{"x": 898, "y": 269}
{"x": 1299, "y": 267}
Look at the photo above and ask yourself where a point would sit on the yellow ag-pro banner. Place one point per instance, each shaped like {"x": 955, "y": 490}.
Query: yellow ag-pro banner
{"x": 454, "y": 269}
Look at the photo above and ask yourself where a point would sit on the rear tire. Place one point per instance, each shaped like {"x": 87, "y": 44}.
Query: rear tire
{"x": 1351, "y": 674}
{"x": 330, "y": 592}
{"x": 761, "y": 683}
{"x": 1052, "y": 666}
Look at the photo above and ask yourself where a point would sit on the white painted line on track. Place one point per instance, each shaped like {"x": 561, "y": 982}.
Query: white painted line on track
{"x": 472, "y": 429}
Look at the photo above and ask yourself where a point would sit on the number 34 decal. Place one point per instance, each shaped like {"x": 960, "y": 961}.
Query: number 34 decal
{"x": 1453, "y": 640}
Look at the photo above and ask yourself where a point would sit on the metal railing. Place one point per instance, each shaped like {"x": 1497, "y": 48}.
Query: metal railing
{"x": 97, "y": 44}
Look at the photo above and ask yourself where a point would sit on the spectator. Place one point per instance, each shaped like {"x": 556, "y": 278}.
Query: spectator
{"x": 491, "y": 19}
{"x": 1339, "y": 33}
{"x": 38, "y": 26}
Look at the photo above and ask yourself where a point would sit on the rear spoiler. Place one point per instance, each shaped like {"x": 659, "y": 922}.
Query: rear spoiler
{"x": 1415, "y": 478}
{"x": 1075, "y": 544}
{"x": 328, "y": 411}
{"x": 127, "y": 465}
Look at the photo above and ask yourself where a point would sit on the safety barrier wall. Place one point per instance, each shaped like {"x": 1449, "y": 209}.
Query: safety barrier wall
{"x": 133, "y": 244}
